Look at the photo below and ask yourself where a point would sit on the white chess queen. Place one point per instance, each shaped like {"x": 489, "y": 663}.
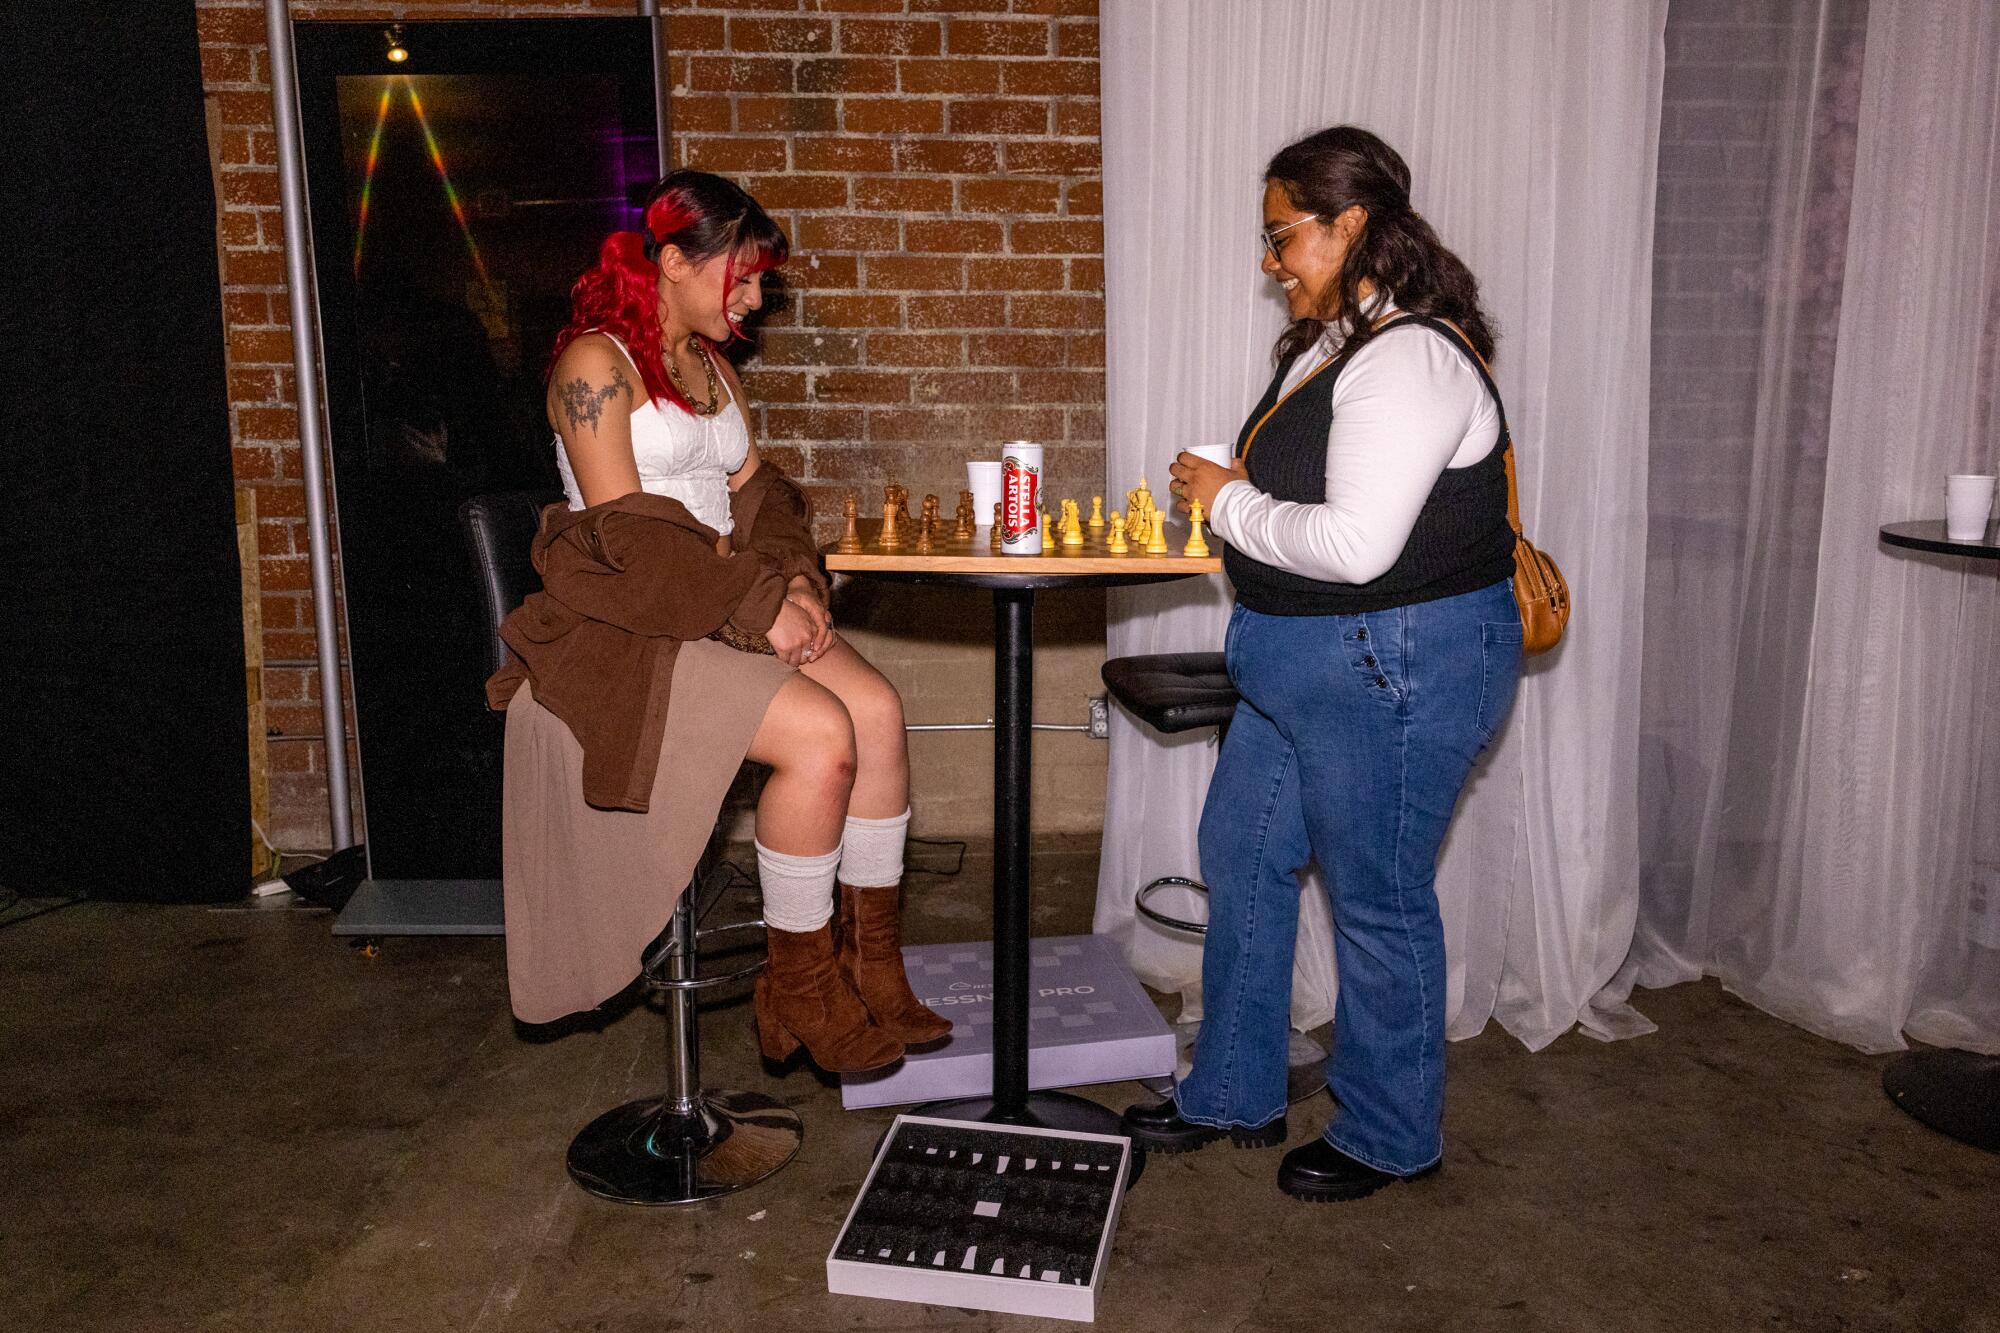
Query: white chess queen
{"x": 644, "y": 403}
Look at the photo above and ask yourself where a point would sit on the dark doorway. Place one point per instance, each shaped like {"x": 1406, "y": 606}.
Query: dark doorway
{"x": 455, "y": 197}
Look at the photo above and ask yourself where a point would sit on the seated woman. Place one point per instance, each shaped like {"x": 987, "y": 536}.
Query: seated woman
{"x": 683, "y": 627}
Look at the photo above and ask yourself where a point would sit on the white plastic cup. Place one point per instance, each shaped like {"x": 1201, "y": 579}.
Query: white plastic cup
{"x": 1222, "y": 455}
{"x": 982, "y": 478}
{"x": 1968, "y": 505}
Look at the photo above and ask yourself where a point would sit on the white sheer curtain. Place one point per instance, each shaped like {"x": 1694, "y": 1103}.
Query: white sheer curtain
{"x": 1823, "y": 713}
{"x": 1531, "y": 130}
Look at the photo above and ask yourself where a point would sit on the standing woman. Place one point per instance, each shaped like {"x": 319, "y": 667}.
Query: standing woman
{"x": 683, "y": 627}
{"x": 1376, "y": 645}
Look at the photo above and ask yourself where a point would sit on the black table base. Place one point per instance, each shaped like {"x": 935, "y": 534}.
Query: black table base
{"x": 1954, "y": 1092}
{"x": 1013, "y": 758}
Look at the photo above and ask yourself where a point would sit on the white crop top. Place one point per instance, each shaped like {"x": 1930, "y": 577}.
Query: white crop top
{"x": 680, "y": 455}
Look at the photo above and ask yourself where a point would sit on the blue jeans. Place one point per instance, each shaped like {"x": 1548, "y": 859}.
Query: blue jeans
{"x": 1353, "y": 739}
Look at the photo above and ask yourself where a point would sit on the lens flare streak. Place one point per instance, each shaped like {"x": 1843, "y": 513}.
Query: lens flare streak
{"x": 437, "y": 162}
{"x": 368, "y": 175}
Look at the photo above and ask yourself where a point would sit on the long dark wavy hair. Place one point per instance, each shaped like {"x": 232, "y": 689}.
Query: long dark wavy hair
{"x": 1346, "y": 166}
{"x": 704, "y": 215}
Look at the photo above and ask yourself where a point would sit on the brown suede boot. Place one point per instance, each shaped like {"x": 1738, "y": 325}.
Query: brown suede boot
{"x": 871, "y": 956}
{"x": 802, "y": 997}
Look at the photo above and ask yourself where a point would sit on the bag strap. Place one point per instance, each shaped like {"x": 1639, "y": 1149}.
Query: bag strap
{"x": 1456, "y": 337}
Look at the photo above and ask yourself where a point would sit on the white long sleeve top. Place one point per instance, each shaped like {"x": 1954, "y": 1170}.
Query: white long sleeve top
{"x": 1407, "y": 407}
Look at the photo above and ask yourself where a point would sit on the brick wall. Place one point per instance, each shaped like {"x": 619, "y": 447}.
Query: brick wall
{"x": 937, "y": 167}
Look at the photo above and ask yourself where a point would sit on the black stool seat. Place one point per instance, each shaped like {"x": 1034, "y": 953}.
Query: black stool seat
{"x": 1173, "y": 691}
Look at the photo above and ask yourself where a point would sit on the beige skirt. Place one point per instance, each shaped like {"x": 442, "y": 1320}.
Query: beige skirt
{"x": 588, "y": 889}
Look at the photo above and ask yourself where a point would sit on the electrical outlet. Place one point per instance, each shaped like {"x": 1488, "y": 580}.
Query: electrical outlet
{"x": 1100, "y": 717}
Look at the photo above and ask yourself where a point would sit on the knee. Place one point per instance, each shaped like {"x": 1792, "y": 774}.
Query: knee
{"x": 823, "y": 752}
{"x": 877, "y": 713}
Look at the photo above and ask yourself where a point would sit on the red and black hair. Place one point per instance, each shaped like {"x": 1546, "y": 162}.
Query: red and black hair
{"x": 703, "y": 216}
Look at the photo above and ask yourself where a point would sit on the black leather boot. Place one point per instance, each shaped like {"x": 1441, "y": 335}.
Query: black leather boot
{"x": 1318, "y": 1172}
{"x": 1159, "y": 1128}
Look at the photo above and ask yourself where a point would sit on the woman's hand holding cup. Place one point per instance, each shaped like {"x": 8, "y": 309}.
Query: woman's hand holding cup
{"x": 1198, "y": 475}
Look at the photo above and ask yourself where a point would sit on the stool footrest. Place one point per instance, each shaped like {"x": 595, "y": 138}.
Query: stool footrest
{"x": 654, "y": 980}
{"x": 1154, "y": 914}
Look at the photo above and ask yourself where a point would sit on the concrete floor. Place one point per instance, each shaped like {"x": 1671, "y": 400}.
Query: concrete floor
{"x": 228, "y": 1120}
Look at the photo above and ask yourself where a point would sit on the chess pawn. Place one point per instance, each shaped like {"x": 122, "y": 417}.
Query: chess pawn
{"x": 891, "y": 537}
{"x": 1116, "y": 545}
{"x": 1195, "y": 544}
{"x": 995, "y": 539}
{"x": 1156, "y": 534}
{"x": 1096, "y": 512}
{"x": 1048, "y": 546}
{"x": 966, "y": 522}
{"x": 932, "y": 517}
{"x": 850, "y": 541}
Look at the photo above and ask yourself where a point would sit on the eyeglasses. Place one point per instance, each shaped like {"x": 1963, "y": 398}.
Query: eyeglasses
{"x": 1270, "y": 234}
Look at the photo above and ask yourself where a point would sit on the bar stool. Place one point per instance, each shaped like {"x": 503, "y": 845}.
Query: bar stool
{"x": 1175, "y": 692}
{"x": 690, "y": 1143}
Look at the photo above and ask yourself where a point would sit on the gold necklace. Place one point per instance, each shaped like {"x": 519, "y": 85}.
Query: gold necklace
{"x": 700, "y": 409}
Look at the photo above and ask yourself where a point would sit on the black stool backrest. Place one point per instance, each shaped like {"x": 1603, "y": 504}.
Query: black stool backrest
{"x": 499, "y": 530}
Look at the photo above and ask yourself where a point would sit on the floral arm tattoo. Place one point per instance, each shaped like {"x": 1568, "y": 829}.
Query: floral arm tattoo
{"x": 582, "y": 403}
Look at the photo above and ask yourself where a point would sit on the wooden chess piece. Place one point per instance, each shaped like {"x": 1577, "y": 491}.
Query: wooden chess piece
{"x": 1156, "y": 534}
{"x": 1072, "y": 533}
{"x": 1116, "y": 545}
{"x": 1143, "y": 497}
{"x": 891, "y": 536}
{"x": 1195, "y": 544}
{"x": 850, "y": 541}
{"x": 966, "y": 521}
{"x": 995, "y": 542}
{"x": 1048, "y": 542}
{"x": 1135, "y": 525}
{"x": 932, "y": 520}
{"x": 1096, "y": 512}
{"x": 924, "y": 538}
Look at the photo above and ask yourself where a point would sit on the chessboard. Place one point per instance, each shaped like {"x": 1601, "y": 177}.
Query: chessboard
{"x": 1079, "y": 537}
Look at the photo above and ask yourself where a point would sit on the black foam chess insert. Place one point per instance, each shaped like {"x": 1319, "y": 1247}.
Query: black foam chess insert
{"x": 958, "y": 1199}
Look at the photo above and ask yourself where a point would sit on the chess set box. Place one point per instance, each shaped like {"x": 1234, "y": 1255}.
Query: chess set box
{"x": 1089, "y": 1021}
{"x": 984, "y": 1217}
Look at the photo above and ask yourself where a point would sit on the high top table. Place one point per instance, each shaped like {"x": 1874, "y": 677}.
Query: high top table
{"x": 1014, "y": 581}
{"x": 1954, "y": 1092}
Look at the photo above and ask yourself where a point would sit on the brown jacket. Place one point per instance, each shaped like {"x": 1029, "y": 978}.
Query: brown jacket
{"x": 624, "y": 583}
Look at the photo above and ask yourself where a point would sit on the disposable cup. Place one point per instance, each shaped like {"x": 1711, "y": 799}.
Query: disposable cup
{"x": 1968, "y": 505}
{"x": 982, "y": 478}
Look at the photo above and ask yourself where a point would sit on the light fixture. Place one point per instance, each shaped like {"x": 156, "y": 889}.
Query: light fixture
{"x": 393, "y": 35}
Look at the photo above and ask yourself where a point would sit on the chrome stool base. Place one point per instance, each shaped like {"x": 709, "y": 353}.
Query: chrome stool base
{"x": 643, "y": 1153}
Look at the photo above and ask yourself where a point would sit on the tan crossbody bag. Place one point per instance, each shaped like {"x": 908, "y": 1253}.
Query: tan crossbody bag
{"x": 1539, "y": 587}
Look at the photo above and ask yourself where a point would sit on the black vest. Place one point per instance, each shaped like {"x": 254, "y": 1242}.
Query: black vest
{"x": 1461, "y": 542}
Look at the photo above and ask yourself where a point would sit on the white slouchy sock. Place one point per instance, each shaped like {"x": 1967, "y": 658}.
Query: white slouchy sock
{"x": 871, "y": 851}
{"x": 798, "y": 890}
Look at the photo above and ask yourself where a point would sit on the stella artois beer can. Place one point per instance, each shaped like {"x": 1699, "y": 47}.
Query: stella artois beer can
{"x": 1020, "y": 498}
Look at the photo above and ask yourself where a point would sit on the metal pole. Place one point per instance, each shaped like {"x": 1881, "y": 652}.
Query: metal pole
{"x": 1013, "y": 769}
{"x": 662, "y": 120}
{"x": 312, "y": 428}
{"x": 683, "y": 1091}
